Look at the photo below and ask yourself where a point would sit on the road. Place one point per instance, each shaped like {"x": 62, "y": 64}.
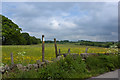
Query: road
{"x": 113, "y": 75}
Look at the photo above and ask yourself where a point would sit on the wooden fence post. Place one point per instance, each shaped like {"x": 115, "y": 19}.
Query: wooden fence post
{"x": 12, "y": 62}
{"x": 86, "y": 50}
{"x": 69, "y": 50}
{"x": 55, "y": 47}
{"x": 42, "y": 48}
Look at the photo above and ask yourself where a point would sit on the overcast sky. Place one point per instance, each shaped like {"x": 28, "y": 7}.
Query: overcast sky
{"x": 64, "y": 20}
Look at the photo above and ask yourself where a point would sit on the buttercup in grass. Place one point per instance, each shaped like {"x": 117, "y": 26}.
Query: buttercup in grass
{"x": 28, "y": 54}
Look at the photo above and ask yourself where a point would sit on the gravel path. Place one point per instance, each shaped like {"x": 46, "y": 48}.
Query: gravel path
{"x": 113, "y": 75}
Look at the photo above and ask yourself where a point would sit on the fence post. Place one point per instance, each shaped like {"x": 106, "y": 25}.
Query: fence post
{"x": 42, "y": 48}
{"x": 86, "y": 50}
{"x": 59, "y": 51}
{"x": 69, "y": 50}
{"x": 55, "y": 46}
{"x": 12, "y": 62}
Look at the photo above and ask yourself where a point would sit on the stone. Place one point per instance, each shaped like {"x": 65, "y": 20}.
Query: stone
{"x": 19, "y": 66}
{"x": 24, "y": 68}
{"x": 2, "y": 70}
{"x": 13, "y": 66}
{"x": 35, "y": 66}
{"x": 43, "y": 64}
{"x": 29, "y": 66}
{"x": 58, "y": 58}
{"x": 39, "y": 63}
{"x": 7, "y": 67}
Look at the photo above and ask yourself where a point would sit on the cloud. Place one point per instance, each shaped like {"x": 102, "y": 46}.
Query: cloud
{"x": 60, "y": 1}
{"x": 73, "y": 21}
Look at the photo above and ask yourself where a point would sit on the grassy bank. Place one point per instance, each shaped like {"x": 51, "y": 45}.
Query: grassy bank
{"x": 71, "y": 67}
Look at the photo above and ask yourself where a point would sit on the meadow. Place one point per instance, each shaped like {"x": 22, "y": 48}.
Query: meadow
{"x": 26, "y": 54}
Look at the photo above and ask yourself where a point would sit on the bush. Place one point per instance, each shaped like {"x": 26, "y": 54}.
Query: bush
{"x": 64, "y": 68}
{"x": 102, "y": 63}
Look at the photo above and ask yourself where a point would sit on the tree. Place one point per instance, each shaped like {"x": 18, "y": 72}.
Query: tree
{"x": 35, "y": 40}
{"x": 27, "y": 38}
{"x": 10, "y": 32}
{"x": 0, "y": 29}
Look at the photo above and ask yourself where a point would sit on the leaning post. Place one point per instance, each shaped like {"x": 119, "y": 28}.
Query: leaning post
{"x": 86, "y": 50}
{"x": 43, "y": 48}
{"x": 55, "y": 46}
{"x": 69, "y": 50}
{"x": 12, "y": 62}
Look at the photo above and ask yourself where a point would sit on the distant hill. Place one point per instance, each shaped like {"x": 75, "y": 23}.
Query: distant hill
{"x": 11, "y": 34}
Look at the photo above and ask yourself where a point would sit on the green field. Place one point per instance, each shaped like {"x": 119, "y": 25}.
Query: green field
{"x": 26, "y": 54}
{"x": 78, "y": 68}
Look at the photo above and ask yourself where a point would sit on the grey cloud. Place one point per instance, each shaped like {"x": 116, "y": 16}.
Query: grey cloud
{"x": 71, "y": 21}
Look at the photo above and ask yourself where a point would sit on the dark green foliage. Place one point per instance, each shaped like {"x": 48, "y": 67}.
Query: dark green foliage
{"x": 119, "y": 58}
{"x": 99, "y": 44}
{"x": 62, "y": 41}
{"x": 27, "y": 38}
{"x": 49, "y": 41}
{"x": 11, "y": 34}
{"x": 102, "y": 63}
{"x": 64, "y": 68}
{"x": 34, "y": 40}
{"x": 0, "y": 29}
{"x": 118, "y": 44}
{"x": 71, "y": 67}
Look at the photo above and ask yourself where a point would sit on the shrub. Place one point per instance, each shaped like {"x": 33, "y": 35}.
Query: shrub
{"x": 63, "y": 68}
{"x": 102, "y": 63}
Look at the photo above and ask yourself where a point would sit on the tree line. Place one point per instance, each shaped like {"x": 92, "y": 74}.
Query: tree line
{"x": 88, "y": 43}
{"x": 12, "y": 35}
{"x": 98, "y": 44}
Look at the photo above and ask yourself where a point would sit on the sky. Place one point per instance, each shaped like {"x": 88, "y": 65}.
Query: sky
{"x": 95, "y": 21}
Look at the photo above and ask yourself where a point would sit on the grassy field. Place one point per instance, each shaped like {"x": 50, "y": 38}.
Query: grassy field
{"x": 65, "y": 68}
{"x": 26, "y": 54}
